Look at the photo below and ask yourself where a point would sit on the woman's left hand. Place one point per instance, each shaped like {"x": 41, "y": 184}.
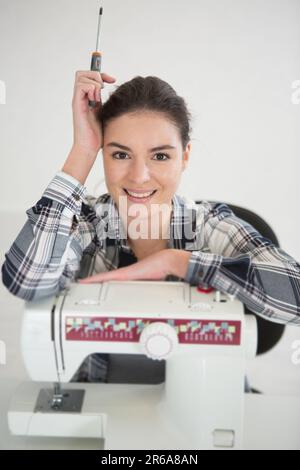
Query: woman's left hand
{"x": 153, "y": 267}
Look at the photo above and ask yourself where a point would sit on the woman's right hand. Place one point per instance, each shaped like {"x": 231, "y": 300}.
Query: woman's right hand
{"x": 87, "y": 131}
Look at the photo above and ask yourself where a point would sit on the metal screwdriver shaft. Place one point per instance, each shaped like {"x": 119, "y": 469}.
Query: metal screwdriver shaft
{"x": 97, "y": 55}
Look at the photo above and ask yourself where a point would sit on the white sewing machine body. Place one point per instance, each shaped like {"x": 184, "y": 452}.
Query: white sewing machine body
{"x": 204, "y": 336}
{"x": 111, "y": 316}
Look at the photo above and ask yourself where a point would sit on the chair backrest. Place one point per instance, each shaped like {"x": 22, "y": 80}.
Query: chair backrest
{"x": 269, "y": 333}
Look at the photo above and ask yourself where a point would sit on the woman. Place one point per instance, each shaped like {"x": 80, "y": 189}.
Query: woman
{"x": 143, "y": 130}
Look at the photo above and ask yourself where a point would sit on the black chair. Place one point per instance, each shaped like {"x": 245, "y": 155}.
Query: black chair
{"x": 139, "y": 369}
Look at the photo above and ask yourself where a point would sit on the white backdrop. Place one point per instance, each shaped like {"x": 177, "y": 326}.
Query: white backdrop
{"x": 234, "y": 61}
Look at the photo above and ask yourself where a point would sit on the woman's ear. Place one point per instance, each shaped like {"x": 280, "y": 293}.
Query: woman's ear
{"x": 185, "y": 156}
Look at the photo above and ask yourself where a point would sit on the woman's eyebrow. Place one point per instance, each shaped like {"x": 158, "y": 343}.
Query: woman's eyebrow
{"x": 161, "y": 147}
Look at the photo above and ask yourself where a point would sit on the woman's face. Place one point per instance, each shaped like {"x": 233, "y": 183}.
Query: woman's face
{"x": 135, "y": 165}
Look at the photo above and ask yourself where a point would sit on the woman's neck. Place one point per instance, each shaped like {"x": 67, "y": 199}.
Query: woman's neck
{"x": 152, "y": 237}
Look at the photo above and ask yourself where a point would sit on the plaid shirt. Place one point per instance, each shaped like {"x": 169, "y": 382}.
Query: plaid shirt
{"x": 71, "y": 235}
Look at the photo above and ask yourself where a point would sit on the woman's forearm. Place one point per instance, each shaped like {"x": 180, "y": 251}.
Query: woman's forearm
{"x": 79, "y": 164}
{"x": 179, "y": 261}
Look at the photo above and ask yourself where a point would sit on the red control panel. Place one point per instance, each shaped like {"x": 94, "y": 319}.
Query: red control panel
{"x": 124, "y": 329}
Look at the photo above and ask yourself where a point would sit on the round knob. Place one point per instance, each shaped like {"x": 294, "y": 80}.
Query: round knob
{"x": 158, "y": 340}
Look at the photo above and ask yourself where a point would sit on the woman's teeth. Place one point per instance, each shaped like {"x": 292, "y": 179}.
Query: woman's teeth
{"x": 139, "y": 195}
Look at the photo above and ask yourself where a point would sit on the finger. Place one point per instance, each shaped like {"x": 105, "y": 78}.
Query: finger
{"x": 97, "y": 85}
{"x": 94, "y": 75}
{"x": 117, "y": 274}
{"x": 95, "y": 279}
{"x": 91, "y": 89}
{"x": 95, "y": 88}
{"x": 91, "y": 280}
{"x": 108, "y": 78}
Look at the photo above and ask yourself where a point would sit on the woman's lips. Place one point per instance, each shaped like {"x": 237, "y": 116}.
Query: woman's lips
{"x": 139, "y": 199}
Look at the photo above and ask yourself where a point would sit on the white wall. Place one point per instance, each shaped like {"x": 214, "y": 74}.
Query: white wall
{"x": 234, "y": 61}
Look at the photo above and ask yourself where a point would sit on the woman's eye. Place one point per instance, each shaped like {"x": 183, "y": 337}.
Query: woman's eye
{"x": 119, "y": 153}
{"x": 164, "y": 155}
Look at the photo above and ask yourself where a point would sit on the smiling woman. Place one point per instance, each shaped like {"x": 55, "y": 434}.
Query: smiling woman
{"x": 141, "y": 228}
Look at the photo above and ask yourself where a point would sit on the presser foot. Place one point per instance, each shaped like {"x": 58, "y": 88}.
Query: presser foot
{"x": 49, "y": 401}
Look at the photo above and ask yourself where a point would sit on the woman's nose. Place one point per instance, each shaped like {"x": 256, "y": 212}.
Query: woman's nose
{"x": 139, "y": 172}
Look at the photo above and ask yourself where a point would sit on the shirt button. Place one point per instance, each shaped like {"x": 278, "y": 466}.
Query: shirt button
{"x": 200, "y": 274}
{"x": 76, "y": 197}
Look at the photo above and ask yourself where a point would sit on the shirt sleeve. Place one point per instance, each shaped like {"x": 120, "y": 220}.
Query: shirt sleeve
{"x": 46, "y": 254}
{"x": 242, "y": 262}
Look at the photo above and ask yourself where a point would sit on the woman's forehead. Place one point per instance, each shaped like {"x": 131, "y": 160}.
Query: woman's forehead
{"x": 150, "y": 131}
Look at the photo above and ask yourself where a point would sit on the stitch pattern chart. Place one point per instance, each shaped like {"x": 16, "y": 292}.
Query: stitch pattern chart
{"x": 189, "y": 331}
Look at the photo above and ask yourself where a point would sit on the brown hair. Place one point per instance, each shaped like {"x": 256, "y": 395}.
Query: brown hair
{"x": 149, "y": 94}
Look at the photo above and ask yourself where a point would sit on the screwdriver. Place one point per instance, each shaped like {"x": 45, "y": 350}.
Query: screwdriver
{"x": 97, "y": 55}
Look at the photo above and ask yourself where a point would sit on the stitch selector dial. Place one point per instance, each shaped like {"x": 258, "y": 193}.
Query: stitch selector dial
{"x": 159, "y": 340}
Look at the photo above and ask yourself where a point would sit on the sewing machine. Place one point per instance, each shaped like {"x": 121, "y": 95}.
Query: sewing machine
{"x": 203, "y": 335}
